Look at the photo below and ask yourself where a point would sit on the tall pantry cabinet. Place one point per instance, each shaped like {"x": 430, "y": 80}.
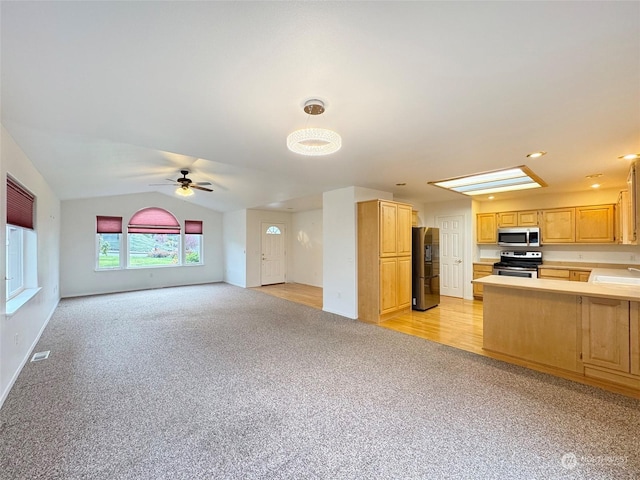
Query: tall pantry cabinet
{"x": 384, "y": 259}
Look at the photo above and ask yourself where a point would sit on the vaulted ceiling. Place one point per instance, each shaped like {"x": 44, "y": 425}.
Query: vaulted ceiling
{"x": 107, "y": 98}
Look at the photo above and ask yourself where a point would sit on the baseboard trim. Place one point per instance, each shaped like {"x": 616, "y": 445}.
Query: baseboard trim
{"x": 15, "y": 376}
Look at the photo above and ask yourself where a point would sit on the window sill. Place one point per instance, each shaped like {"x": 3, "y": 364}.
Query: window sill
{"x": 18, "y": 301}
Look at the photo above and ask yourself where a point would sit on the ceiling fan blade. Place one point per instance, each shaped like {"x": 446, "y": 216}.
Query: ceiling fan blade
{"x": 200, "y": 188}
{"x": 162, "y": 184}
{"x": 201, "y": 183}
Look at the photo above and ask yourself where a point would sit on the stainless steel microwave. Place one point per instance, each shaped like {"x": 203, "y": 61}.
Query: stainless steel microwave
{"x": 519, "y": 237}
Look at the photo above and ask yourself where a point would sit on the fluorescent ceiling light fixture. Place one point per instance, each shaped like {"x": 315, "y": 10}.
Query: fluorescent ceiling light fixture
{"x": 516, "y": 178}
{"x": 314, "y": 141}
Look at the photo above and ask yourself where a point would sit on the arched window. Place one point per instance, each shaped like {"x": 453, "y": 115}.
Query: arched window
{"x": 273, "y": 230}
{"x": 154, "y": 238}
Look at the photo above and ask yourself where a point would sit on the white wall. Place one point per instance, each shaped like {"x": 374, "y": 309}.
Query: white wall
{"x": 339, "y": 258}
{"x": 234, "y": 239}
{"x": 307, "y": 247}
{"x": 255, "y": 219}
{"x": 20, "y": 331}
{"x": 78, "y": 254}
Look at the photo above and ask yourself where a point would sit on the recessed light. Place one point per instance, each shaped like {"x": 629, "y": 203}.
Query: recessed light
{"x": 594, "y": 175}
{"x": 595, "y": 185}
{"x": 491, "y": 197}
{"x": 401, "y": 184}
{"x": 536, "y": 154}
{"x": 630, "y": 156}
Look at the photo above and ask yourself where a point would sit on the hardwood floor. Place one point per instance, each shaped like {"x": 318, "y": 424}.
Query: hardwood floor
{"x": 296, "y": 292}
{"x": 455, "y": 322}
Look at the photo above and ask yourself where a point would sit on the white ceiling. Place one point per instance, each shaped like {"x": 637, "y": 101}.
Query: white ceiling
{"x": 108, "y": 97}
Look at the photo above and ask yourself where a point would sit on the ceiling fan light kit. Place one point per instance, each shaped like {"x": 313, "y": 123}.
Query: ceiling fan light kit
{"x": 186, "y": 185}
{"x": 184, "y": 191}
{"x": 314, "y": 141}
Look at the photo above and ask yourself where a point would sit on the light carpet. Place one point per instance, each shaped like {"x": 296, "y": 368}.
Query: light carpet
{"x": 220, "y": 382}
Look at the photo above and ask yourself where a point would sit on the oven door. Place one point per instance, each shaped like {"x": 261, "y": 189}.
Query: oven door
{"x": 516, "y": 272}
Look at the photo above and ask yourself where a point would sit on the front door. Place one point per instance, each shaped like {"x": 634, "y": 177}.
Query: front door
{"x": 273, "y": 259}
{"x": 451, "y": 255}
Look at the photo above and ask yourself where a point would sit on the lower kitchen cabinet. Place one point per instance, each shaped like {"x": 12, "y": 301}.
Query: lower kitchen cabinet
{"x": 480, "y": 270}
{"x": 634, "y": 332}
{"x": 605, "y": 333}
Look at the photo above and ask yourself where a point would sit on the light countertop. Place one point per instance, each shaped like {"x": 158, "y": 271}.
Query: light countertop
{"x": 620, "y": 292}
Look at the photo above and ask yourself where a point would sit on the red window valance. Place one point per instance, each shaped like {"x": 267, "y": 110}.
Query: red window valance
{"x": 193, "y": 227}
{"x": 19, "y": 205}
{"x": 153, "y": 220}
{"x": 108, "y": 224}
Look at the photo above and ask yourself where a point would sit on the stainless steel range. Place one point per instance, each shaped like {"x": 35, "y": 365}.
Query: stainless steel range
{"x": 518, "y": 264}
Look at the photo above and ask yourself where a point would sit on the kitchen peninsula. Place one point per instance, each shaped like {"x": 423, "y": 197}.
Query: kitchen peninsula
{"x": 584, "y": 331}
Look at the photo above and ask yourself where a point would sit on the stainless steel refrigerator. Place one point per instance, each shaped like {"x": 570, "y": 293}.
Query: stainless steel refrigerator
{"x": 426, "y": 267}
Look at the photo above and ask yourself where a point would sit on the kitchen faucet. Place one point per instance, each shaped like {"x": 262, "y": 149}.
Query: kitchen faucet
{"x": 631, "y": 269}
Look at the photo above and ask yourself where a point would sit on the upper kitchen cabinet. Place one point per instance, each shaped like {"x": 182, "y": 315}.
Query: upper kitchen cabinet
{"x": 595, "y": 224}
{"x": 558, "y": 225}
{"x": 486, "y": 228}
{"x": 518, "y": 219}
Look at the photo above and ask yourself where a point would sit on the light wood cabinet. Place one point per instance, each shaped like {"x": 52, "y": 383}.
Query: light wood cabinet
{"x": 384, "y": 259}
{"x": 595, "y": 224}
{"x": 528, "y": 218}
{"x": 507, "y": 219}
{"x": 486, "y": 228}
{"x": 554, "y": 273}
{"x": 564, "y": 274}
{"x": 579, "y": 275}
{"x": 605, "y": 333}
{"x": 480, "y": 270}
{"x": 634, "y": 333}
{"x": 558, "y": 225}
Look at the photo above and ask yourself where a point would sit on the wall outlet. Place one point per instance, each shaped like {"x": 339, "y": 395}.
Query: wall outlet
{"x": 16, "y": 338}
{"x": 580, "y": 256}
{"x": 632, "y": 257}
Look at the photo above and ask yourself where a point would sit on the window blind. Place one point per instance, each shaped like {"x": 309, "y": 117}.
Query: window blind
{"x": 19, "y": 205}
{"x": 108, "y": 224}
{"x": 153, "y": 220}
{"x": 193, "y": 227}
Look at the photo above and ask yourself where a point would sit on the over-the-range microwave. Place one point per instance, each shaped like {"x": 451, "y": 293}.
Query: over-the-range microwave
{"x": 519, "y": 237}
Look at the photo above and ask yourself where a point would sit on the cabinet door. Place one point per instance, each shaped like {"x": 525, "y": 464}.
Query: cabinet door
{"x": 634, "y": 318}
{"x": 559, "y": 225}
{"x": 479, "y": 271}
{"x": 554, "y": 273}
{"x": 605, "y": 333}
{"x": 388, "y": 229}
{"x": 579, "y": 276}
{"x": 486, "y": 229}
{"x": 594, "y": 224}
{"x": 405, "y": 214}
{"x": 404, "y": 282}
{"x": 508, "y": 219}
{"x": 528, "y": 219}
{"x": 388, "y": 285}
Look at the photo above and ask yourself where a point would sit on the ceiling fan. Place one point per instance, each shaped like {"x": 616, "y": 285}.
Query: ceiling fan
{"x": 186, "y": 184}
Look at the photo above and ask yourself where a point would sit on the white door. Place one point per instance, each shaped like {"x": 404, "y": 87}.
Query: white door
{"x": 273, "y": 260}
{"x": 451, "y": 255}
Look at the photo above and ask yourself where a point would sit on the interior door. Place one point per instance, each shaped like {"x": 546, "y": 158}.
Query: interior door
{"x": 273, "y": 268}
{"x": 451, "y": 255}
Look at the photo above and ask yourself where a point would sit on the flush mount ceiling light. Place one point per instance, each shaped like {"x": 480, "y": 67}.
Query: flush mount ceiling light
{"x": 515, "y": 178}
{"x": 536, "y": 154}
{"x": 314, "y": 141}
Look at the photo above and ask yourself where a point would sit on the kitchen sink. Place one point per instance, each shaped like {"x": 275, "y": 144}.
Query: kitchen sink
{"x": 616, "y": 280}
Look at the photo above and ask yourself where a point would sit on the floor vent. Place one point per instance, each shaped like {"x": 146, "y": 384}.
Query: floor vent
{"x": 40, "y": 356}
